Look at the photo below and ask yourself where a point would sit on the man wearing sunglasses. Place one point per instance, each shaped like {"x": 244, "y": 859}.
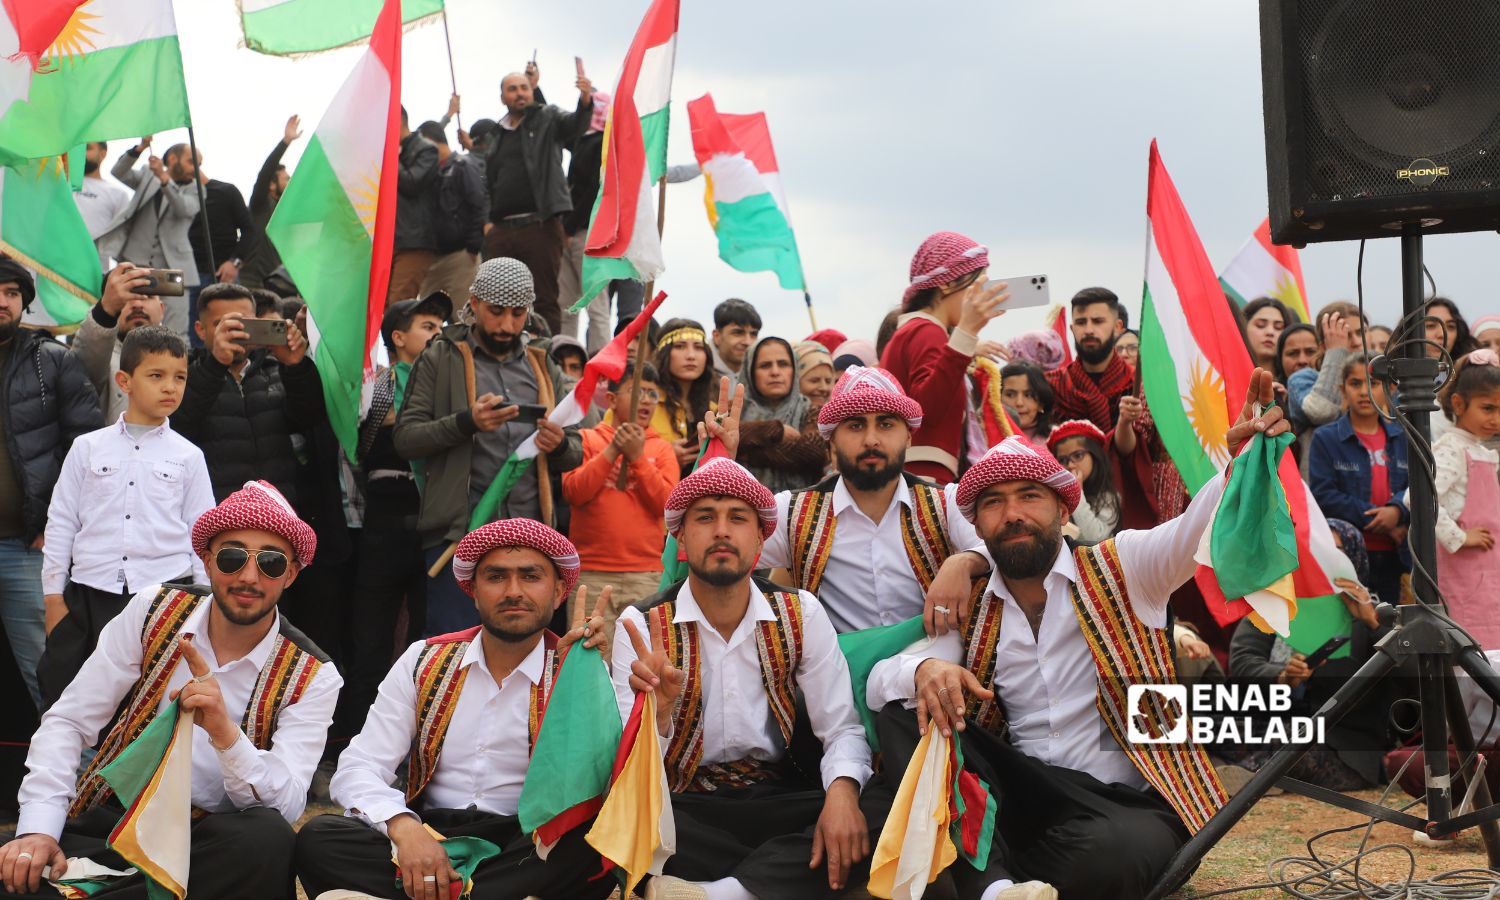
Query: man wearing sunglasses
{"x": 462, "y": 709}
{"x": 262, "y": 696}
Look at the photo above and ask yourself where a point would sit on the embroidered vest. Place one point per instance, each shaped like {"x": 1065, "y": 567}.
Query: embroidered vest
{"x": 288, "y": 669}
{"x": 779, "y": 645}
{"x": 439, "y": 677}
{"x": 1126, "y": 651}
{"x": 810, "y": 523}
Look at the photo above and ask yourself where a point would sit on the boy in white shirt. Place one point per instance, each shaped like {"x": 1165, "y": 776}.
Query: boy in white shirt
{"x": 123, "y": 508}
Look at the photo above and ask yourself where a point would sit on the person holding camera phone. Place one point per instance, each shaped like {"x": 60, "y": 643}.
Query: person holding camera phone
{"x": 474, "y": 395}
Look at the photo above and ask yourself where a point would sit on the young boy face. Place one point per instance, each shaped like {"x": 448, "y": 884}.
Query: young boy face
{"x": 411, "y": 342}
{"x": 155, "y": 387}
{"x": 619, "y": 402}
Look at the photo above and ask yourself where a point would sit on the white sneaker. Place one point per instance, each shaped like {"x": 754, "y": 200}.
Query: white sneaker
{"x": 345, "y": 895}
{"x": 665, "y": 887}
{"x": 1031, "y": 890}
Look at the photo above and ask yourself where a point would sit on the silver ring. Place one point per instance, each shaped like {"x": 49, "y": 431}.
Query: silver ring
{"x": 429, "y": 878}
{"x": 940, "y": 609}
{"x": 23, "y": 855}
{"x": 199, "y": 679}
{"x": 942, "y": 690}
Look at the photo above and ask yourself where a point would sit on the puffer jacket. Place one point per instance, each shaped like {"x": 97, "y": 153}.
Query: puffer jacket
{"x": 49, "y": 401}
{"x": 245, "y": 427}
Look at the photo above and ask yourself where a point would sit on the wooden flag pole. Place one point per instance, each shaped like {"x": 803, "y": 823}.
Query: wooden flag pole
{"x": 458, "y": 118}
{"x": 807, "y": 298}
{"x": 643, "y": 343}
{"x": 202, "y": 202}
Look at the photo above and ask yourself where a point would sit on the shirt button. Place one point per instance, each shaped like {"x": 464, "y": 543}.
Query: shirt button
{"x": 127, "y": 515}
{"x": 1056, "y": 734}
{"x": 124, "y": 557}
{"x": 132, "y": 484}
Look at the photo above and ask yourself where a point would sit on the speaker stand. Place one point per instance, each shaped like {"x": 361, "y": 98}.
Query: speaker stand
{"x": 1422, "y": 633}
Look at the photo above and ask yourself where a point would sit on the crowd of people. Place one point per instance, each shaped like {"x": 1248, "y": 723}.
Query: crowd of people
{"x": 166, "y": 483}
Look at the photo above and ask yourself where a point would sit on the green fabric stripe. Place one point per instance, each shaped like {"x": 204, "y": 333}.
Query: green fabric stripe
{"x": 118, "y": 92}
{"x": 307, "y": 26}
{"x": 1232, "y": 294}
{"x": 654, "y": 130}
{"x": 575, "y": 748}
{"x": 327, "y": 251}
{"x": 866, "y": 647}
{"x": 1159, "y": 378}
{"x": 754, "y": 237}
{"x": 43, "y": 228}
{"x": 1253, "y": 542}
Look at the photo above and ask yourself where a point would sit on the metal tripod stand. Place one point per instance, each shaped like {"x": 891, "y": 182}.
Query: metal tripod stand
{"x": 1422, "y": 632}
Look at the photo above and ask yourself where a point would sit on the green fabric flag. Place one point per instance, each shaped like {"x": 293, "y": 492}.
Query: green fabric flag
{"x": 863, "y": 649}
{"x": 464, "y": 855}
{"x": 1317, "y": 620}
{"x": 41, "y": 228}
{"x": 294, "y": 27}
{"x": 575, "y": 749}
{"x": 130, "y": 772}
{"x": 1254, "y": 542}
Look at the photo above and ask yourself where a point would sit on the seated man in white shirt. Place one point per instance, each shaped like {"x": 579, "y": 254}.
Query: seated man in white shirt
{"x": 753, "y": 818}
{"x": 460, "y": 709}
{"x": 871, "y": 541}
{"x": 263, "y": 701}
{"x": 1057, "y": 636}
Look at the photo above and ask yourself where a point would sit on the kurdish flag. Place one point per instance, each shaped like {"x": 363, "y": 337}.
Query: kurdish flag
{"x": 746, "y": 204}
{"x": 74, "y": 72}
{"x": 293, "y": 27}
{"x": 622, "y": 239}
{"x": 154, "y": 777}
{"x": 575, "y": 750}
{"x": 635, "y": 831}
{"x": 1196, "y": 372}
{"x": 41, "y": 228}
{"x": 1264, "y": 269}
{"x": 335, "y": 224}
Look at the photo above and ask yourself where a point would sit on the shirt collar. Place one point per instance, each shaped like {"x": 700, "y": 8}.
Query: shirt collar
{"x": 688, "y": 609}
{"x": 530, "y": 667}
{"x": 842, "y": 499}
{"x": 1064, "y": 567}
{"x": 155, "y": 432}
{"x": 197, "y": 625}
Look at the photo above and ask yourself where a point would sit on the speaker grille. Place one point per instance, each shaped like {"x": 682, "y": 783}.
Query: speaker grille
{"x": 1394, "y": 82}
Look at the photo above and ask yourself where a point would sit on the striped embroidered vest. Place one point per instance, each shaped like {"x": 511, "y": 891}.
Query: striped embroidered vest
{"x": 810, "y": 524}
{"x": 1126, "y": 651}
{"x": 439, "y": 676}
{"x": 289, "y": 668}
{"x": 779, "y": 645}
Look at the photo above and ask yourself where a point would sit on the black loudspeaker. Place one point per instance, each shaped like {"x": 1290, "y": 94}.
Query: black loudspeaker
{"x": 1378, "y": 113}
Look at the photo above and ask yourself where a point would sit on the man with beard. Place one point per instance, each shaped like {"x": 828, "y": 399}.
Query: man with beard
{"x": 1090, "y": 387}
{"x": 462, "y": 419}
{"x": 872, "y": 540}
{"x": 45, "y": 402}
{"x": 746, "y": 657}
{"x": 1038, "y": 675}
{"x": 152, "y": 229}
{"x": 462, "y": 709}
{"x": 99, "y": 199}
{"x": 261, "y": 694}
{"x": 119, "y": 311}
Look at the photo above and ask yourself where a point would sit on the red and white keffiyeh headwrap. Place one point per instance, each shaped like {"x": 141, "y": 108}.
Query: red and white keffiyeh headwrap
{"x": 1016, "y": 459}
{"x": 515, "y": 533}
{"x": 1071, "y": 429}
{"x": 721, "y": 477}
{"x": 257, "y": 505}
{"x": 944, "y": 257}
{"x": 862, "y": 390}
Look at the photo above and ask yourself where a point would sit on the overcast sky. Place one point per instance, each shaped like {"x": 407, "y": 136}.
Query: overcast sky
{"x": 1025, "y": 126}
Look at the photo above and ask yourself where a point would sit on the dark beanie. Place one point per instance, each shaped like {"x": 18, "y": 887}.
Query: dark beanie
{"x": 10, "y": 270}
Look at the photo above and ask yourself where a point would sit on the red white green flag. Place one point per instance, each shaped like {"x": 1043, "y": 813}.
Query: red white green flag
{"x": 335, "y": 224}
{"x": 1264, "y": 269}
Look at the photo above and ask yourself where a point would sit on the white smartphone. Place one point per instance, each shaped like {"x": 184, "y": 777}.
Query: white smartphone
{"x": 1024, "y": 290}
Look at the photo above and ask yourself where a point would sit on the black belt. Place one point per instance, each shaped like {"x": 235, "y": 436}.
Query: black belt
{"x": 521, "y": 221}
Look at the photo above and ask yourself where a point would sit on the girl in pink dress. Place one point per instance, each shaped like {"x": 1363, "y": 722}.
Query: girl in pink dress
{"x": 1469, "y": 497}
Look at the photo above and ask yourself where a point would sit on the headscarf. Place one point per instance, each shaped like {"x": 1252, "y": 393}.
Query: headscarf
{"x": 808, "y": 355}
{"x": 1016, "y": 459}
{"x": 515, "y": 533}
{"x": 789, "y": 410}
{"x": 1043, "y": 349}
{"x": 828, "y": 337}
{"x": 503, "y": 281}
{"x": 861, "y": 391}
{"x": 860, "y": 351}
{"x": 257, "y": 505}
{"x": 721, "y": 477}
{"x": 944, "y": 257}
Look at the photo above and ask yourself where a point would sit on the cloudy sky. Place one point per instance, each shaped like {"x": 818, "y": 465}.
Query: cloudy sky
{"x": 1023, "y": 125}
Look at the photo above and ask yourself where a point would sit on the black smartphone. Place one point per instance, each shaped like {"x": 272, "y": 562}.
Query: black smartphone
{"x": 1330, "y": 646}
{"x": 530, "y": 412}
{"x": 163, "y": 283}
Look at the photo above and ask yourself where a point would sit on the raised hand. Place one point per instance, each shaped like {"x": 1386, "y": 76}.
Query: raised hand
{"x": 981, "y": 303}
{"x": 292, "y": 131}
{"x": 724, "y": 423}
{"x": 590, "y": 629}
{"x": 651, "y": 671}
{"x": 1271, "y": 422}
{"x": 202, "y": 698}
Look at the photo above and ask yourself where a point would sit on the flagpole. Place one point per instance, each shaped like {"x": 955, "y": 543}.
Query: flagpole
{"x": 458, "y": 118}
{"x": 643, "y": 343}
{"x": 202, "y": 207}
{"x": 807, "y": 298}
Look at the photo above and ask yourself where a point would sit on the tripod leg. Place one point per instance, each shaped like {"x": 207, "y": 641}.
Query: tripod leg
{"x": 1473, "y": 661}
{"x": 1431, "y": 677}
{"x": 1334, "y": 709}
{"x": 1463, "y": 740}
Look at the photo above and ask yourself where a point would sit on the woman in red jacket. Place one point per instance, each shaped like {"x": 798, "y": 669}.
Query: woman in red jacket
{"x": 945, "y": 306}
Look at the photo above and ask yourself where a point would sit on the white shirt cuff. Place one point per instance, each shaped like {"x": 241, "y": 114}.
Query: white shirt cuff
{"x": 836, "y": 769}
{"x": 42, "y": 819}
{"x": 54, "y": 584}
{"x": 963, "y": 342}
{"x": 237, "y": 759}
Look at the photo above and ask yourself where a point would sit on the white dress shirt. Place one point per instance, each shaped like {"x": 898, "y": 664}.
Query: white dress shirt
{"x": 1451, "y": 454}
{"x": 223, "y": 781}
{"x": 868, "y": 580}
{"x": 737, "y": 722}
{"x": 485, "y": 751}
{"x": 1048, "y": 682}
{"x": 123, "y": 509}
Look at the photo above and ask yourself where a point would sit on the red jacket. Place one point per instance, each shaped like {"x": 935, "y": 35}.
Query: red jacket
{"x": 930, "y": 364}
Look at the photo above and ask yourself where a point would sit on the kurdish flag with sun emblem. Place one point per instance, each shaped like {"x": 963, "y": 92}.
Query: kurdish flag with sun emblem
{"x": 73, "y": 72}
{"x": 1264, "y": 269}
{"x": 335, "y": 224}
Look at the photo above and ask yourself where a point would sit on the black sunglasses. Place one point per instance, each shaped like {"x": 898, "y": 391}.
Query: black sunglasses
{"x": 272, "y": 563}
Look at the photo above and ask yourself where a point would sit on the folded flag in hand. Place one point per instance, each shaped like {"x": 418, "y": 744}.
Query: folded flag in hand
{"x": 635, "y": 831}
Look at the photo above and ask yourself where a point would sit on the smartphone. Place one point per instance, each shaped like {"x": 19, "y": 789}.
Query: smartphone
{"x": 578, "y": 65}
{"x": 530, "y": 412}
{"x": 163, "y": 283}
{"x": 1330, "y": 647}
{"x": 1024, "y": 290}
{"x": 265, "y": 332}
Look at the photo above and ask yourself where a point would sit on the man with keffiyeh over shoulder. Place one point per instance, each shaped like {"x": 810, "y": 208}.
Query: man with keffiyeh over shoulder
{"x": 1090, "y": 387}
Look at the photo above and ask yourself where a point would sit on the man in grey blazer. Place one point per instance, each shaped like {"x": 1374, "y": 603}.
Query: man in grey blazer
{"x": 152, "y": 229}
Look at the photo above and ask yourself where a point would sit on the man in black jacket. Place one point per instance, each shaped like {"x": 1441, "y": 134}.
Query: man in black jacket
{"x": 528, "y": 192}
{"x": 460, "y": 207}
{"x": 242, "y": 404}
{"x": 416, "y": 242}
{"x": 46, "y": 400}
{"x": 261, "y": 258}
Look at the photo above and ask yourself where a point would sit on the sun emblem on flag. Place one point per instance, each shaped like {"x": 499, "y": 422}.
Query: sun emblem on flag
{"x": 75, "y": 39}
{"x": 1286, "y": 291}
{"x": 1207, "y": 411}
{"x": 365, "y": 195}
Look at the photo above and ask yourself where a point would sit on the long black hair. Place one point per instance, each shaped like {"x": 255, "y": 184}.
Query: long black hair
{"x": 694, "y": 407}
{"x": 1040, "y": 389}
{"x": 1277, "y": 368}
